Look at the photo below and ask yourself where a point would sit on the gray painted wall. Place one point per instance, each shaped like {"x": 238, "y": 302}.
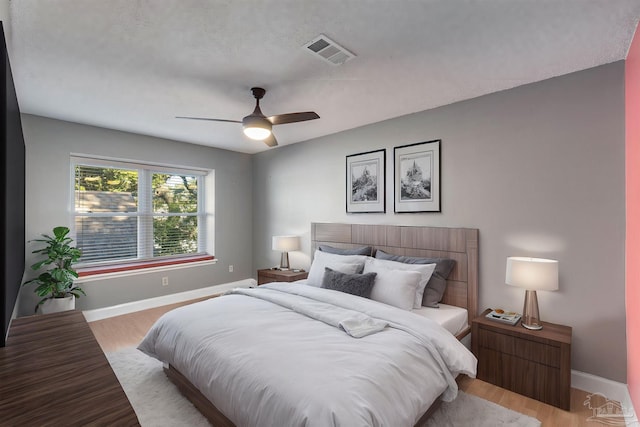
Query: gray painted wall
{"x": 538, "y": 169}
{"x": 48, "y": 146}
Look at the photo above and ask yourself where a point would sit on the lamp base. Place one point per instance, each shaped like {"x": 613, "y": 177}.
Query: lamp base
{"x": 284, "y": 261}
{"x": 530, "y": 312}
{"x": 532, "y": 327}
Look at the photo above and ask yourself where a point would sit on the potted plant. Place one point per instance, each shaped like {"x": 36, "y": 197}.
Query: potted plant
{"x": 55, "y": 285}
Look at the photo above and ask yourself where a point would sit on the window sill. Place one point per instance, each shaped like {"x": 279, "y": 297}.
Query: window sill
{"x": 117, "y": 270}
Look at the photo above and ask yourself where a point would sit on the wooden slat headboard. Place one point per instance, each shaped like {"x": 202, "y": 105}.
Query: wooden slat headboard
{"x": 460, "y": 244}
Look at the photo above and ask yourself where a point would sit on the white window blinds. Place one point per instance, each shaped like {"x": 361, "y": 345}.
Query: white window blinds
{"x": 132, "y": 212}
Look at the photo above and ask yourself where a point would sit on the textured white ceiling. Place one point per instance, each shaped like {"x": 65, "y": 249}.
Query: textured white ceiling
{"x": 133, "y": 65}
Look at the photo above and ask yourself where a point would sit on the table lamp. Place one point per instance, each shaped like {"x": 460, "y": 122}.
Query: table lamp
{"x": 532, "y": 274}
{"x": 285, "y": 244}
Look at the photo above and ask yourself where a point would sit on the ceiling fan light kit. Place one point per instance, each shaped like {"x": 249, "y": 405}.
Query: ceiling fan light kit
{"x": 257, "y": 126}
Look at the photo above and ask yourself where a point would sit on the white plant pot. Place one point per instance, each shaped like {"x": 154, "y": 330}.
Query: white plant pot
{"x": 55, "y": 305}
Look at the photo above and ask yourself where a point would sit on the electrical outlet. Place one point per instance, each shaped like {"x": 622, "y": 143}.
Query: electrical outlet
{"x": 165, "y": 281}
{"x": 231, "y": 268}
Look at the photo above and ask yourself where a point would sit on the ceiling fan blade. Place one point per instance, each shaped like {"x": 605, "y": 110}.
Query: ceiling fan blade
{"x": 283, "y": 119}
{"x": 209, "y": 120}
{"x": 271, "y": 141}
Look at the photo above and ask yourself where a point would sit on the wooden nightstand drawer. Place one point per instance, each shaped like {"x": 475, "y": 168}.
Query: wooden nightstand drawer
{"x": 525, "y": 377}
{"x": 264, "y": 280}
{"x": 519, "y": 347}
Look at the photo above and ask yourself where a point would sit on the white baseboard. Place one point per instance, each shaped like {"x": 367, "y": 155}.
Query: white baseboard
{"x": 131, "y": 307}
{"x": 612, "y": 390}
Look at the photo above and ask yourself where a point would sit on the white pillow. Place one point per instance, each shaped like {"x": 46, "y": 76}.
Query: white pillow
{"x": 348, "y": 264}
{"x": 425, "y": 270}
{"x": 394, "y": 287}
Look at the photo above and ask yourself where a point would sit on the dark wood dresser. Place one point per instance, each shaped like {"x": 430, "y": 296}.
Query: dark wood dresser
{"x": 536, "y": 364}
{"x": 53, "y": 372}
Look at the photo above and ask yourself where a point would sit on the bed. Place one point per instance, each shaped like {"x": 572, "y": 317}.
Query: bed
{"x": 290, "y": 354}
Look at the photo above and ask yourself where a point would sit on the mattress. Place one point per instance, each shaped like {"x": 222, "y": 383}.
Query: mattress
{"x": 453, "y": 319}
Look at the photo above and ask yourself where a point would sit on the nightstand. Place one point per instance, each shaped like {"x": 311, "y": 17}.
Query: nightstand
{"x": 536, "y": 364}
{"x": 268, "y": 275}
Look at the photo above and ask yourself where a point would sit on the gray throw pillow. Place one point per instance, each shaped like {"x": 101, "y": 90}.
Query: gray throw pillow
{"x": 355, "y": 284}
{"x": 363, "y": 250}
{"x": 437, "y": 284}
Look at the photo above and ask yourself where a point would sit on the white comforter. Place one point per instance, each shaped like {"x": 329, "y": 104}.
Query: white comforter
{"x": 263, "y": 363}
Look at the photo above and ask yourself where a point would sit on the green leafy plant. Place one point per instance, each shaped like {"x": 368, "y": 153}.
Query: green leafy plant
{"x": 57, "y": 282}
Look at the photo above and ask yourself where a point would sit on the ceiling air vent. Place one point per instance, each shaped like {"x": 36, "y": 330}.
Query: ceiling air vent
{"x": 328, "y": 50}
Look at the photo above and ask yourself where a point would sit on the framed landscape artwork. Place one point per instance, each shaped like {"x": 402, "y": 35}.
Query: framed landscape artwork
{"x": 417, "y": 177}
{"x": 365, "y": 182}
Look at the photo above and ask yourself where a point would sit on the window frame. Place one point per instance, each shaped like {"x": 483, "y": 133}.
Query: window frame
{"x": 145, "y": 241}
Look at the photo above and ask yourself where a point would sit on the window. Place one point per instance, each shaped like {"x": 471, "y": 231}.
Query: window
{"x": 133, "y": 212}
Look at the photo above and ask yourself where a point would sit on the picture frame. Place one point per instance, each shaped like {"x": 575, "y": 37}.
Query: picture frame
{"x": 365, "y": 182}
{"x": 417, "y": 177}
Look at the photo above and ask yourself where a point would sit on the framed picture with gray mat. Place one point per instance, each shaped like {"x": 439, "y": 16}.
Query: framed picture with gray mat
{"x": 417, "y": 177}
{"x": 365, "y": 188}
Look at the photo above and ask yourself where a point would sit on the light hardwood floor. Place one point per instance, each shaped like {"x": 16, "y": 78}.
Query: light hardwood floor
{"x": 128, "y": 330}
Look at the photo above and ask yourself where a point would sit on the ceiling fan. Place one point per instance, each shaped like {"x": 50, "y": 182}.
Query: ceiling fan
{"x": 257, "y": 126}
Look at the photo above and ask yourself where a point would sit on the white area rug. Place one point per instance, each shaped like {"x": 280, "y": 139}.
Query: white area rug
{"x": 158, "y": 403}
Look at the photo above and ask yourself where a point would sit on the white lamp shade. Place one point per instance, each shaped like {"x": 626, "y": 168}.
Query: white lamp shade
{"x": 286, "y": 243}
{"x": 532, "y": 273}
